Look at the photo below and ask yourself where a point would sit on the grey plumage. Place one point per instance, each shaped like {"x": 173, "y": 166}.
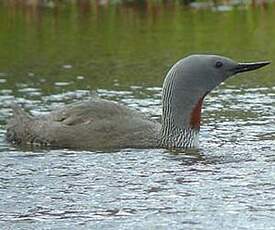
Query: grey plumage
{"x": 92, "y": 124}
{"x": 98, "y": 123}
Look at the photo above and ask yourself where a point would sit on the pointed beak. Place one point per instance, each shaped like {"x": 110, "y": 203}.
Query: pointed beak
{"x": 243, "y": 67}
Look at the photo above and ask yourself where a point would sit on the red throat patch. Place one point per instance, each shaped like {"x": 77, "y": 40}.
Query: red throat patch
{"x": 195, "y": 120}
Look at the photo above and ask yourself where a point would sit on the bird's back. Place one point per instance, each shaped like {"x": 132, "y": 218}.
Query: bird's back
{"x": 93, "y": 124}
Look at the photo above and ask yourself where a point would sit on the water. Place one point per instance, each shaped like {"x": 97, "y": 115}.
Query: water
{"x": 54, "y": 56}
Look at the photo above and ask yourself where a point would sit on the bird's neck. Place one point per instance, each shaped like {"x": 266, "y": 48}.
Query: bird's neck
{"x": 181, "y": 115}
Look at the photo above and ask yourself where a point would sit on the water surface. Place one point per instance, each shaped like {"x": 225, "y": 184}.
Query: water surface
{"x": 54, "y": 56}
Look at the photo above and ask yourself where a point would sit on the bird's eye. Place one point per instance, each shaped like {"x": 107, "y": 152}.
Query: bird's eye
{"x": 218, "y": 64}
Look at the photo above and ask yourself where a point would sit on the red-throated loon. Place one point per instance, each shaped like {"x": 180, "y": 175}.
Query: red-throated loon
{"x": 99, "y": 123}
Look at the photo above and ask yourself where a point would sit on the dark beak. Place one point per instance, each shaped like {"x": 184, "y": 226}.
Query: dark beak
{"x": 243, "y": 67}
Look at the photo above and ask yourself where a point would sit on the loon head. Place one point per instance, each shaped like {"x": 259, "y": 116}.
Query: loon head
{"x": 188, "y": 82}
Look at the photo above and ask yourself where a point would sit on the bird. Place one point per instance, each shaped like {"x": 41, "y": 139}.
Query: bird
{"x": 97, "y": 123}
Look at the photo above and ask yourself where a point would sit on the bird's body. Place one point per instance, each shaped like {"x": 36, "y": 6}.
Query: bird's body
{"x": 92, "y": 124}
{"x": 98, "y": 123}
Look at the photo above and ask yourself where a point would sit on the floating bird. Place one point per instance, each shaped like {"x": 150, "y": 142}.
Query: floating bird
{"x": 98, "y": 123}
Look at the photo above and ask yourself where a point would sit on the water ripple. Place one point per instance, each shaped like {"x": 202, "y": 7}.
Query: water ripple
{"x": 227, "y": 180}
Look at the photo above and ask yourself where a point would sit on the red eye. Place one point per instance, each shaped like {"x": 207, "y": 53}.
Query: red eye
{"x": 218, "y": 64}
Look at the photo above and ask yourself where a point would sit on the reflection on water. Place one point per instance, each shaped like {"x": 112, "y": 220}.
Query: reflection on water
{"x": 55, "y": 55}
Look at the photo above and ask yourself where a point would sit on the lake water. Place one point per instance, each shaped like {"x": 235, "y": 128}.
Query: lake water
{"x": 50, "y": 56}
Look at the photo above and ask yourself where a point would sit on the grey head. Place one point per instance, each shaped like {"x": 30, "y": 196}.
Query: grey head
{"x": 189, "y": 81}
{"x": 205, "y": 72}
